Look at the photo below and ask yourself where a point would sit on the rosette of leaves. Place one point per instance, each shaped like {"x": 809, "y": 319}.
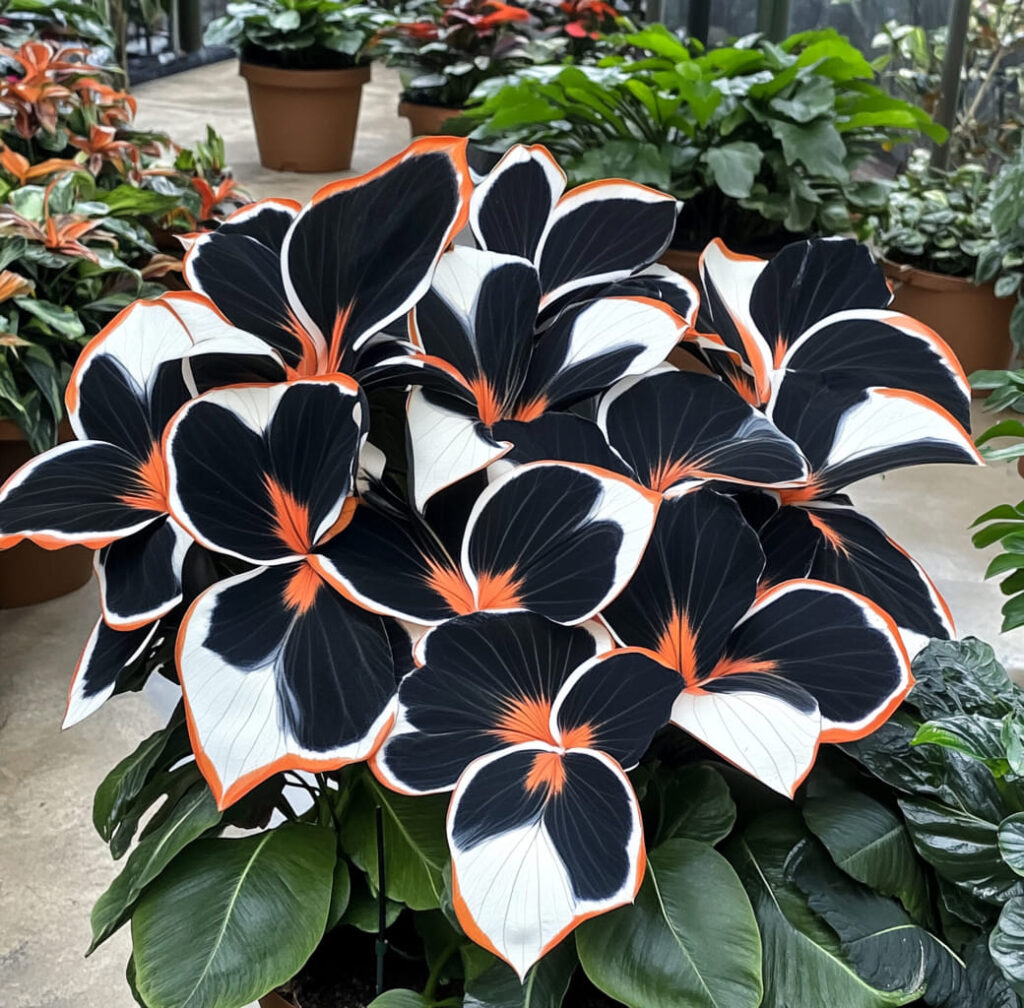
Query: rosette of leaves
{"x": 74, "y": 20}
{"x": 935, "y": 220}
{"x": 761, "y": 139}
{"x": 445, "y": 50}
{"x": 300, "y": 34}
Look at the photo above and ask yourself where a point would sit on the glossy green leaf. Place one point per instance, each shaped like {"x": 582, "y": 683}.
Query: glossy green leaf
{"x": 975, "y": 736}
{"x": 664, "y": 951}
{"x": 870, "y": 844}
{"x": 963, "y": 848}
{"x": 696, "y": 804}
{"x": 886, "y": 948}
{"x": 804, "y": 965}
{"x": 734, "y": 166}
{"x": 1006, "y": 942}
{"x": 1010, "y": 837}
{"x": 341, "y": 893}
{"x": 231, "y": 919}
{"x": 190, "y": 817}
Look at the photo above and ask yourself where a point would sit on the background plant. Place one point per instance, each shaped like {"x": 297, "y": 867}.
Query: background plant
{"x": 89, "y": 205}
{"x": 445, "y": 50}
{"x": 935, "y": 220}
{"x": 761, "y": 139}
{"x": 299, "y": 34}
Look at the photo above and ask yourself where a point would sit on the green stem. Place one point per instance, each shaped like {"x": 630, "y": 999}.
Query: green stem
{"x": 439, "y": 965}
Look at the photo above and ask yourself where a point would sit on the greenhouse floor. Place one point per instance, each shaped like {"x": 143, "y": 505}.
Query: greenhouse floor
{"x": 52, "y": 865}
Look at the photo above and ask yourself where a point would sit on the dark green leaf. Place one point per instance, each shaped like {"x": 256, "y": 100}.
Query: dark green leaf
{"x": 870, "y": 844}
{"x": 497, "y": 986}
{"x": 399, "y": 999}
{"x": 696, "y": 804}
{"x": 190, "y": 817}
{"x": 231, "y": 919}
{"x": 659, "y": 953}
{"x": 1006, "y": 943}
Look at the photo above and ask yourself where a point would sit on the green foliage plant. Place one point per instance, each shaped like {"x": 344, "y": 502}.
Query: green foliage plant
{"x": 762, "y": 139}
{"x": 300, "y": 34}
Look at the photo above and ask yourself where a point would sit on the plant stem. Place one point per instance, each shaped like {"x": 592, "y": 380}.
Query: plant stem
{"x": 439, "y": 965}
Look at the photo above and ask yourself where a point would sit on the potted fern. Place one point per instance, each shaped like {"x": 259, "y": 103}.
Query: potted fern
{"x": 305, "y": 64}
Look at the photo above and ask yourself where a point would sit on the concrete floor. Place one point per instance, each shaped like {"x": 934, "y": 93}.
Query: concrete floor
{"x": 52, "y": 865}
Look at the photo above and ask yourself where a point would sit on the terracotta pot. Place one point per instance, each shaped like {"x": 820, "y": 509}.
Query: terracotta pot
{"x": 305, "y": 119}
{"x": 684, "y": 261}
{"x": 29, "y": 574}
{"x": 426, "y": 120}
{"x": 969, "y": 317}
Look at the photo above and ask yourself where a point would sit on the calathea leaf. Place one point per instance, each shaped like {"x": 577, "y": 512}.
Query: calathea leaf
{"x": 188, "y": 818}
{"x": 695, "y": 803}
{"x": 415, "y": 847}
{"x": 497, "y": 985}
{"x": 804, "y": 965}
{"x": 1010, "y": 838}
{"x": 988, "y": 986}
{"x": 871, "y": 844}
{"x": 195, "y": 929}
{"x": 689, "y": 941}
{"x": 1006, "y": 943}
{"x": 886, "y": 948}
{"x": 962, "y": 848}
{"x": 960, "y": 677}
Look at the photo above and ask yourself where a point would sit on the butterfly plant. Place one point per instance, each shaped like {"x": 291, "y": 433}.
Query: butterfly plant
{"x": 445, "y": 510}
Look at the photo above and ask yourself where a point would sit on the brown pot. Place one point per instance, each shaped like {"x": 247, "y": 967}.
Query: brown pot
{"x": 305, "y": 119}
{"x": 684, "y": 261}
{"x": 28, "y": 573}
{"x": 969, "y": 317}
{"x": 427, "y": 120}
{"x": 273, "y": 1000}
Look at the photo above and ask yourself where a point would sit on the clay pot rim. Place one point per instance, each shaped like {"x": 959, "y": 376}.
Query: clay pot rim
{"x": 304, "y": 80}
{"x": 927, "y": 279}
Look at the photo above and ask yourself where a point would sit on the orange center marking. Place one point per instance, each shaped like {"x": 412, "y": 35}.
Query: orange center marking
{"x": 781, "y": 346}
{"x": 581, "y": 737}
{"x": 337, "y": 348}
{"x": 744, "y": 385}
{"x": 669, "y": 472}
{"x": 291, "y": 519}
{"x": 498, "y": 591}
{"x": 531, "y": 410}
{"x": 735, "y": 666}
{"x": 547, "y": 772}
{"x": 301, "y": 591}
{"x": 451, "y": 586}
{"x": 151, "y": 483}
{"x": 677, "y": 646}
{"x": 526, "y": 719}
{"x": 487, "y": 406}
{"x": 811, "y": 490}
{"x": 830, "y": 535}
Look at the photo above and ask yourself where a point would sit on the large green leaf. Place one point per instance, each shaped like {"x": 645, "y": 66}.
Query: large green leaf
{"x": 988, "y": 985}
{"x": 963, "y": 848}
{"x": 1010, "y": 837}
{"x": 886, "y": 948}
{"x": 190, "y": 816}
{"x": 399, "y": 999}
{"x": 816, "y": 145}
{"x": 415, "y": 845}
{"x": 231, "y": 919}
{"x": 960, "y": 677}
{"x": 1006, "y": 943}
{"x": 497, "y": 986}
{"x": 689, "y": 941}
{"x": 978, "y": 737}
{"x": 872, "y": 845}
{"x": 804, "y": 965}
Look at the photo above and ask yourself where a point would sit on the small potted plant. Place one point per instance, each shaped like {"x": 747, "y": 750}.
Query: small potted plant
{"x": 936, "y": 236}
{"x": 444, "y": 50}
{"x": 305, "y": 62}
{"x": 371, "y": 538}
